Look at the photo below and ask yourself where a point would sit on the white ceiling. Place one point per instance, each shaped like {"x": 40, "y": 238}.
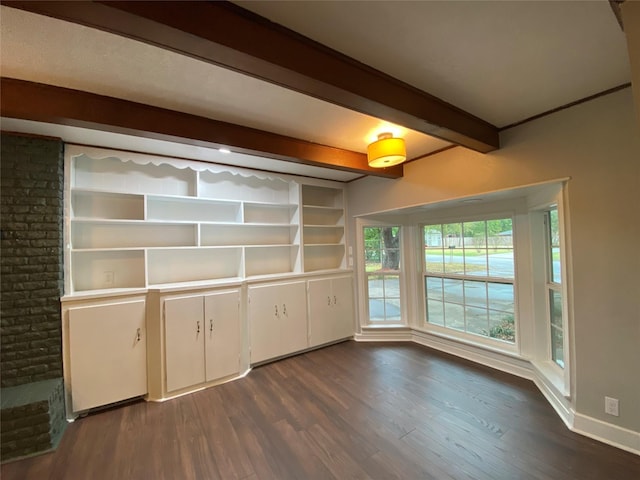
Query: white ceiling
{"x": 501, "y": 61}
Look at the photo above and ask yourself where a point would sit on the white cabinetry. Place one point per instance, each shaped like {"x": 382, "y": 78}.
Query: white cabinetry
{"x": 196, "y": 243}
{"x": 146, "y": 222}
{"x": 330, "y": 309}
{"x": 202, "y": 339}
{"x": 277, "y": 319}
{"x": 106, "y": 358}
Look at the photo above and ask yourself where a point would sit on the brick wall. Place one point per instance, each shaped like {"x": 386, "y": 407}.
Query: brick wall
{"x": 31, "y": 212}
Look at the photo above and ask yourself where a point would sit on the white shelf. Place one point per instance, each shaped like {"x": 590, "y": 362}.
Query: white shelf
{"x": 192, "y": 209}
{"x": 323, "y": 228}
{"x": 106, "y": 205}
{"x": 113, "y": 235}
{"x": 171, "y": 265}
{"x": 246, "y": 234}
{"x": 153, "y": 222}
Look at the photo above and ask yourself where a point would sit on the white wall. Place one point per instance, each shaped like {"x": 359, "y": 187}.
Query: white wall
{"x": 597, "y": 144}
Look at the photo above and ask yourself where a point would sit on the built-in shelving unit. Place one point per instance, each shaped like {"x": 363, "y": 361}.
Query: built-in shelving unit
{"x": 323, "y": 228}
{"x": 136, "y": 221}
{"x": 190, "y": 272}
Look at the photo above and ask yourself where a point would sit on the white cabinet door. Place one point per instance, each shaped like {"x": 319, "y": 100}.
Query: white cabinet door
{"x": 222, "y": 336}
{"x": 108, "y": 354}
{"x": 264, "y": 322}
{"x": 342, "y": 296}
{"x": 277, "y": 319}
{"x": 184, "y": 341}
{"x": 330, "y": 309}
{"x": 320, "y": 321}
{"x": 293, "y": 317}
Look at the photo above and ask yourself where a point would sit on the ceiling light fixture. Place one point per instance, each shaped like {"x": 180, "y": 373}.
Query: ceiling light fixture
{"x": 386, "y": 151}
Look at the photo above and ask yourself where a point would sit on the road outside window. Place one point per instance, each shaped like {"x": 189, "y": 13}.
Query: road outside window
{"x": 469, "y": 277}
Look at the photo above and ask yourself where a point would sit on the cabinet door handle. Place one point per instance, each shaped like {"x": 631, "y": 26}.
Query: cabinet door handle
{"x": 284, "y": 308}
{"x": 211, "y": 325}
{"x": 335, "y": 300}
{"x": 276, "y": 310}
{"x": 198, "y": 325}
{"x": 138, "y": 335}
{"x": 328, "y": 300}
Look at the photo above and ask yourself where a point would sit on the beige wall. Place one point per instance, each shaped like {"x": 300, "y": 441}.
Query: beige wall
{"x": 597, "y": 144}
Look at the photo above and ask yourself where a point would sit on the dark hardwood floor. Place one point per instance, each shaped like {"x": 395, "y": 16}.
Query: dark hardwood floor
{"x": 378, "y": 411}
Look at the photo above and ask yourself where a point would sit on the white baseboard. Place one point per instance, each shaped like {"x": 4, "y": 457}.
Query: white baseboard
{"x": 607, "y": 433}
{"x": 604, "y": 432}
{"x": 384, "y": 335}
{"x": 514, "y": 366}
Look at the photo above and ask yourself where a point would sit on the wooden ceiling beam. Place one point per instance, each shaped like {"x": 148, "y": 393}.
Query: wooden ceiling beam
{"x": 226, "y": 35}
{"x": 50, "y": 104}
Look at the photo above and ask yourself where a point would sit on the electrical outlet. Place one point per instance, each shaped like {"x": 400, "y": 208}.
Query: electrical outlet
{"x": 108, "y": 279}
{"x": 611, "y": 406}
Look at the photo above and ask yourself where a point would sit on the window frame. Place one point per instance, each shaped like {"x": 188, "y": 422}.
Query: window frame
{"x": 363, "y": 286}
{"x": 472, "y": 338}
{"x": 542, "y": 359}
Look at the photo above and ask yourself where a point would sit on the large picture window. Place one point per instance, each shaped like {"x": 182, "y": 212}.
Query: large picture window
{"x": 382, "y": 268}
{"x": 469, "y": 277}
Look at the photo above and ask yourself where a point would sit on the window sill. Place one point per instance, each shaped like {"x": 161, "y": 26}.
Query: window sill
{"x": 553, "y": 375}
{"x": 510, "y": 350}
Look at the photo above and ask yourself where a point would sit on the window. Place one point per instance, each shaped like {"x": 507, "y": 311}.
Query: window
{"x": 469, "y": 277}
{"x": 382, "y": 268}
{"x": 554, "y": 286}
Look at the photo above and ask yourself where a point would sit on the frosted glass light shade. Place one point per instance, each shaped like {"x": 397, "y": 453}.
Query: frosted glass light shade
{"x": 386, "y": 151}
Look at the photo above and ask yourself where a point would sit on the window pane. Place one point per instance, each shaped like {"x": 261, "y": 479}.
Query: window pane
{"x": 392, "y": 286}
{"x": 376, "y": 286}
{"x": 382, "y": 255}
{"x": 475, "y": 261}
{"x": 501, "y": 263}
{"x": 435, "y": 312}
{"x": 433, "y": 288}
{"x": 554, "y": 241}
{"x": 433, "y": 248}
{"x": 453, "y": 248}
{"x": 555, "y": 308}
{"x": 376, "y": 310}
{"x": 453, "y": 290}
{"x": 475, "y": 293}
{"x": 557, "y": 351}
{"x": 477, "y": 321}
{"x": 392, "y": 309}
{"x": 500, "y": 296}
{"x": 390, "y": 248}
{"x": 555, "y": 311}
{"x": 454, "y": 316}
{"x": 502, "y": 326}
{"x": 475, "y": 237}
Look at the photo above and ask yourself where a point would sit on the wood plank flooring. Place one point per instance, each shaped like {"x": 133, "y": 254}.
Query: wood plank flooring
{"x": 365, "y": 411}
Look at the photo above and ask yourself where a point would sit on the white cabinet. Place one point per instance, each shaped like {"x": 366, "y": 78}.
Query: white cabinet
{"x": 202, "y": 338}
{"x": 184, "y": 341}
{"x": 277, "y": 319}
{"x": 330, "y": 309}
{"x": 223, "y": 334}
{"x": 107, "y": 354}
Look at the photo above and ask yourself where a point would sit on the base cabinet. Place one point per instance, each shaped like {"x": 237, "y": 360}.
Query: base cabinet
{"x": 107, "y": 353}
{"x": 277, "y": 319}
{"x": 202, "y": 338}
{"x": 330, "y": 309}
